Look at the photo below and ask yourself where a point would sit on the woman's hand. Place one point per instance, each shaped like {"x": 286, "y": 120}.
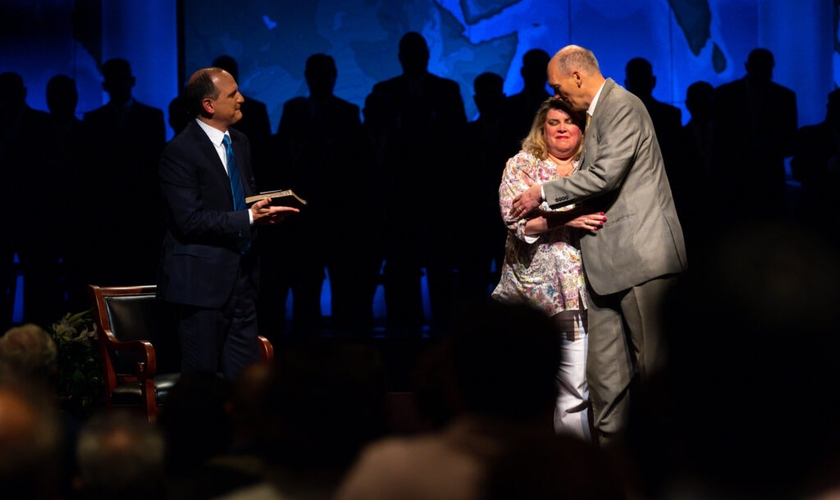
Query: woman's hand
{"x": 588, "y": 222}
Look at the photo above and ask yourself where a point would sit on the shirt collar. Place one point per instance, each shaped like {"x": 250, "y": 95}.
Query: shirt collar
{"x": 214, "y": 134}
{"x": 594, "y": 102}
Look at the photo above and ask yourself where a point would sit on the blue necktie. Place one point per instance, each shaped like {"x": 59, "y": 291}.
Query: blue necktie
{"x": 235, "y": 180}
{"x": 236, "y": 188}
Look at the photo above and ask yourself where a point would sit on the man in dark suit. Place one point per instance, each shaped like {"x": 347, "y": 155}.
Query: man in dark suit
{"x": 323, "y": 166}
{"x": 425, "y": 139}
{"x": 209, "y": 267}
{"x": 125, "y": 138}
{"x": 755, "y": 130}
{"x": 29, "y": 162}
{"x": 488, "y": 154}
{"x": 632, "y": 261}
{"x": 692, "y": 179}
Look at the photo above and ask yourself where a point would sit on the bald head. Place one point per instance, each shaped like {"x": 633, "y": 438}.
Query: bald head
{"x": 212, "y": 95}
{"x": 575, "y": 76}
{"x": 575, "y": 58}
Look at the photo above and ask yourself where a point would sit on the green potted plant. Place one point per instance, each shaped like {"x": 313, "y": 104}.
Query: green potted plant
{"x": 80, "y": 387}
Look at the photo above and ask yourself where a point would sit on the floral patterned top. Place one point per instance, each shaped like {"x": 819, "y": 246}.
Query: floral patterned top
{"x": 544, "y": 270}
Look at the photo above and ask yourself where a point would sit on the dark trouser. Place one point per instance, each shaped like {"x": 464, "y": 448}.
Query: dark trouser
{"x": 220, "y": 340}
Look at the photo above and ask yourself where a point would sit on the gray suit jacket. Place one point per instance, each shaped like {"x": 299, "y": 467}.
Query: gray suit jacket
{"x": 622, "y": 174}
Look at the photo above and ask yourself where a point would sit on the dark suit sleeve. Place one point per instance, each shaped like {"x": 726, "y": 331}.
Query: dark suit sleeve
{"x": 197, "y": 193}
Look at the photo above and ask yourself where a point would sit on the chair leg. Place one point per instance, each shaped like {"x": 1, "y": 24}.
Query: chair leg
{"x": 151, "y": 400}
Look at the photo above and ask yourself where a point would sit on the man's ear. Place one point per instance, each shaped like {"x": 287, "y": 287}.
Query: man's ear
{"x": 578, "y": 79}
{"x": 208, "y": 105}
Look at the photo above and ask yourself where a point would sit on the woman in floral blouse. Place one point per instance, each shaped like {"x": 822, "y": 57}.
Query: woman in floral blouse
{"x": 542, "y": 257}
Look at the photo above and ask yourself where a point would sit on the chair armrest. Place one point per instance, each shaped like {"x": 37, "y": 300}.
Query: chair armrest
{"x": 266, "y": 349}
{"x": 147, "y": 367}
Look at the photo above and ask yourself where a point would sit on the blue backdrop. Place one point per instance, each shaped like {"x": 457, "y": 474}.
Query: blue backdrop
{"x": 686, "y": 40}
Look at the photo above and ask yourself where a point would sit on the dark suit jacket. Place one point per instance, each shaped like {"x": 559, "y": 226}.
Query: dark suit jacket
{"x": 751, "y": 157}
{"x": 321, "y": 142}
{"x": 667, "y": 122}
{"x": 200, "y": 259}
{"x": 442, "y": 104}
{"x": 124, "y": 155}
{"x": 425, "y": 140}
{"x": 127, "y": 150}
{"x": 622, "y": 173}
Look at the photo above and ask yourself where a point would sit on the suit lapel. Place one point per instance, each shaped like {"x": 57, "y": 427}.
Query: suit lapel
{"x": 590, "y": 139}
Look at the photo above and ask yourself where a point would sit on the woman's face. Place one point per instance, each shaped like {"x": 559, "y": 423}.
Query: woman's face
{"x": 561, "y": 135}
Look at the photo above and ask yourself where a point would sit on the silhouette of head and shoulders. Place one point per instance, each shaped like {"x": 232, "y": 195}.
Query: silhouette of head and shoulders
{"x": 699, "y": 101}
{"x": 123, "y": 115}
{"x": 417, "y": 95}
{"x": 640, "y": 81}
{"x": 534, "y": 78}
{"x": 489, "y": 97}
{"x": 62, "y": 99}
{"x": 756, "y": 82}
{"x": 321, "y": 104}
{"x": 17, "y": 118}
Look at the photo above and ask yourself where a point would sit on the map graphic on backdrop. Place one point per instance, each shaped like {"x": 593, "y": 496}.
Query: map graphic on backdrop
{"x": 271, "y": 40}
{"x": 686, "y": 40}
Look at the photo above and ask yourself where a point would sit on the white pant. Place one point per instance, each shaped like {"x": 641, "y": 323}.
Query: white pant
{"x": 572, "y": 412}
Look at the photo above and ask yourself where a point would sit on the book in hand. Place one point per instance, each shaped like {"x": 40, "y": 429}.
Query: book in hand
{"x": 279, "y": 198}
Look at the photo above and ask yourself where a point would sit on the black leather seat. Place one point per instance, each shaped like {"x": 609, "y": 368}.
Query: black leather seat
{"x": 139, "y": 348}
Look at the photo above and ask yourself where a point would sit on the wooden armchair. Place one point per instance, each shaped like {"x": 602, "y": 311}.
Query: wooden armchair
{"x": 138, "y": 346}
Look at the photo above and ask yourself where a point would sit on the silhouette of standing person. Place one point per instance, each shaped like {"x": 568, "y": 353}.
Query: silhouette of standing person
{"x": 424, "y": 145}
{"x": 30, "y": 201}
{"x": 755, "y": 130}
{"x": 520, "y": 108}
{"x": 692, "y": 176}
{"x": 126, "y": 138}
{"x": 487, "y": 156}
{"x": 74, "y": 197}
{"x": 323, "y": 146}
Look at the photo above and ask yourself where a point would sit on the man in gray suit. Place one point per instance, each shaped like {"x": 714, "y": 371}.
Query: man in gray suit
{"x": 635, "y": 257}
